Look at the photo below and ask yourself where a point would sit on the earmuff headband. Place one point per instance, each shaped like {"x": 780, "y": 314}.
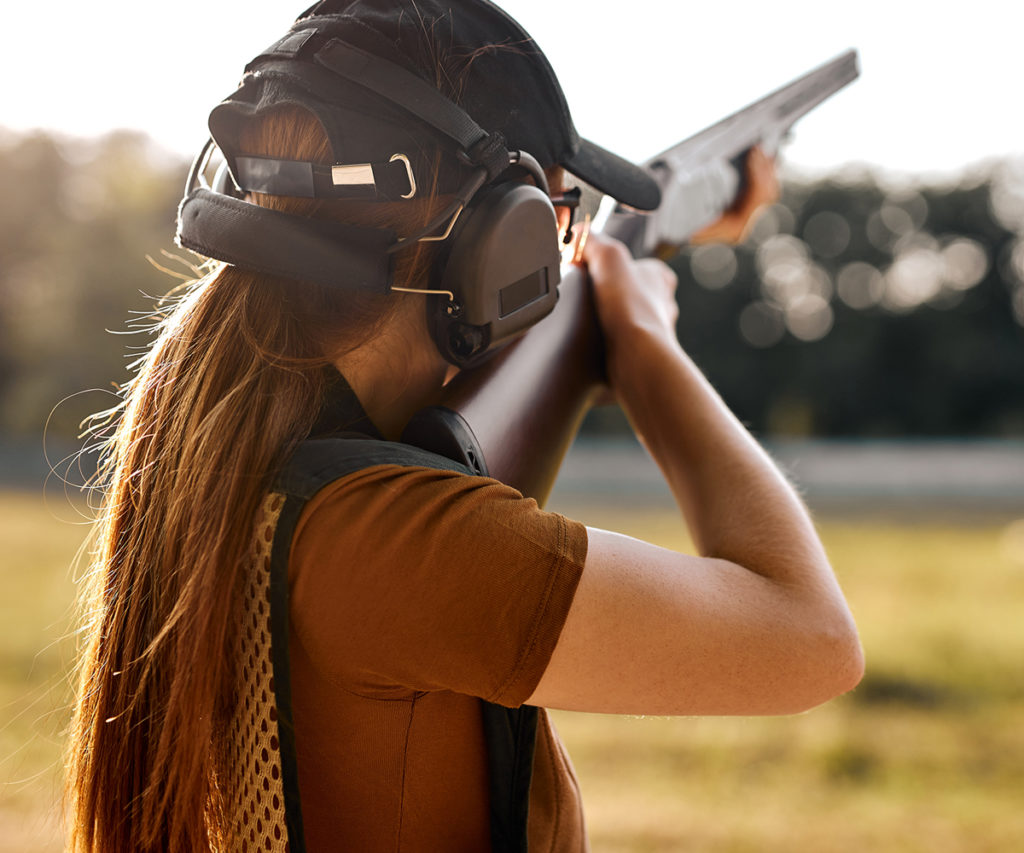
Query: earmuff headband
{"x": 282, "y": 244}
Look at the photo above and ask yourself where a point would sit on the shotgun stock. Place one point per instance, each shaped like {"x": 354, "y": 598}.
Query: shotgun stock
{"x": 514, "y": 417}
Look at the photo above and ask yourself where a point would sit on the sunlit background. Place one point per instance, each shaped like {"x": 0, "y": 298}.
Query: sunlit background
{"x": 870, "y": 331}
{"x": 937, "y": 92}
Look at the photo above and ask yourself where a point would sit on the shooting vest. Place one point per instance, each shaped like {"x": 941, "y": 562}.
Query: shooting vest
{"x": 262, "y": 789}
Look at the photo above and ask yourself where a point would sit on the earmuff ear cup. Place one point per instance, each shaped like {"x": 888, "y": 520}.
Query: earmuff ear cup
{"x": 461, "y": 344}
{"x": 502, "y": 266}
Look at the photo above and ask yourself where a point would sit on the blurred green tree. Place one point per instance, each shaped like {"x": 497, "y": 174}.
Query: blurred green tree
{"x": 859, "y": 306}
{"x": 854, "y": 310}
{"x": 76, "y": 224}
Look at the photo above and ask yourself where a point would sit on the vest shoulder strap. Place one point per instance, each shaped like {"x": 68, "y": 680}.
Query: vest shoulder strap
{"x": 510, "y": 733}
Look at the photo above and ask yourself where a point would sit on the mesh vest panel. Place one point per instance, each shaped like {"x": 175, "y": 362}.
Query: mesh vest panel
{"x": 253, "y": 789}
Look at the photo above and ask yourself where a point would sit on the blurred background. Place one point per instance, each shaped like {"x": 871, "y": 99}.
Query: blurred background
{"x": 870, "y": 331}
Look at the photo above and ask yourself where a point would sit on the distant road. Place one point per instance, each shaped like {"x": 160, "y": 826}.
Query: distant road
{"x": 832, "y": 475}
{"x": 24, "y": 463}
{"x": 984, "y": 476}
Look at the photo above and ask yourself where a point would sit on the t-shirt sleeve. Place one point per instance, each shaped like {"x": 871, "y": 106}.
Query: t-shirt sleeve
{"x": 413, "y": 579}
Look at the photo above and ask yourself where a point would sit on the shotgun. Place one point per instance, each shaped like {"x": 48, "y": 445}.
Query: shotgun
{"x": 514, "y": 417}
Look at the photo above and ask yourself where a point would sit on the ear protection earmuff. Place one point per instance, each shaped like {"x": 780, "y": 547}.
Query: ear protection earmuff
{"x": 501, "y": 267}
{"x": 497, "y": 271}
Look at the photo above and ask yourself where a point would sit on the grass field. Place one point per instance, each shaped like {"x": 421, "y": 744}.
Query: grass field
{"x": 927, "y": 755}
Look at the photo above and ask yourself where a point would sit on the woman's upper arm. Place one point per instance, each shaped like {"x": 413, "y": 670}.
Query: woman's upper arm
{"x": 653, "y": 631}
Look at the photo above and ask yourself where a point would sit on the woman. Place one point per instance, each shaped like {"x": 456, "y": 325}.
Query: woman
{"x": 415, "y": 595}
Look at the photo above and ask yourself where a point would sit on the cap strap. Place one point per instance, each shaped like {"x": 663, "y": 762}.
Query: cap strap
{"x": 417, "y": 97}
{"x": 289, "y": 45}
{"x": 389, "y": 180}
{"x": 492, "y": 153}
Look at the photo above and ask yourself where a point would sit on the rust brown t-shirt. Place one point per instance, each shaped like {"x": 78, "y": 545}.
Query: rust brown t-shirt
{"x": 414, "y": 593}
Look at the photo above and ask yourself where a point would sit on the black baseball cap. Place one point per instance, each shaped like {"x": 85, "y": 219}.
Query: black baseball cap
{"x": 470, "y": 50}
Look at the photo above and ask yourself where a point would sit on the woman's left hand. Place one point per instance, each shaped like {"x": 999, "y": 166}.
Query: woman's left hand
{"x": 761, "y": 190}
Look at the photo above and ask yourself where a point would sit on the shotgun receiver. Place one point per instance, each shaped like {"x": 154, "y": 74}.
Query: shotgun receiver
{"x": 515, "y": 416}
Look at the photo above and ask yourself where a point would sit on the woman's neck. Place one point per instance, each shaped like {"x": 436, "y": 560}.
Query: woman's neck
{"x": 397, "y": 373}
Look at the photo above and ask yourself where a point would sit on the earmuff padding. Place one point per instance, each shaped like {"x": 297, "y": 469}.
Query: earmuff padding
{"x": 299, "y": 247}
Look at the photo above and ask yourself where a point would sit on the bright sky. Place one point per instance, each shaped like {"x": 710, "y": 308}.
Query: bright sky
{"x": 941, "y": 86}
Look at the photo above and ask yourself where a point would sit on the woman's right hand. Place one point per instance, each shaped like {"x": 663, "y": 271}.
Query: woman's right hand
{"x": 635, "y": 302}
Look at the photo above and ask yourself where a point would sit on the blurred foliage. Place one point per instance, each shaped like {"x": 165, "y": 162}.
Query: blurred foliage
{"x": 77, "y": 220}
{"x": 857, "y": 307}
{"x": 853, "y": 310}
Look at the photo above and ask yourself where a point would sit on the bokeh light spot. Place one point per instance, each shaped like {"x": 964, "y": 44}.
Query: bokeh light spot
{"x": 713, "y": 266}
{"x": 903, "y": 205}
{"x": 860, "y": 285}
{"x": 789, "y": 281}
{"x": 771, "y": 220}
{"x": 1018, "y": 305}
{"x": 787, "y": 272}
{"x": 966, "y": 262}
{"x": 916, "y": 275}
{"x": 827, "y": 233}
{"x": 809, "y": 318}
{"x": 1013, "y": 262}
{"x": 781, "y": 247}
{"x": 761, "y": 324}
{"x": 1006, "y": 199}
{"x": 878, "y": 233}
{"x": 896, "y": 219}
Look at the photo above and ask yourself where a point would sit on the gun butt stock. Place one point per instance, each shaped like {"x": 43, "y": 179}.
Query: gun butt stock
{"x": 514, "y": 417}
{"x": 444, "y": 431}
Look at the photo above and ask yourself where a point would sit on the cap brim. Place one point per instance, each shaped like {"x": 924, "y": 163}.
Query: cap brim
{"x": 613, "y": 175}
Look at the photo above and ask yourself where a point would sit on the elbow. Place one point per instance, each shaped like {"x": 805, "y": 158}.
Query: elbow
{"x": 835, "y": 661}
{"x": 855, "y": 661}
{"x": 846, "y": 660}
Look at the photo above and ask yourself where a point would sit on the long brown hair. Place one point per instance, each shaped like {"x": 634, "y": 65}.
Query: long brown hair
{"x": 233, "y": 381}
